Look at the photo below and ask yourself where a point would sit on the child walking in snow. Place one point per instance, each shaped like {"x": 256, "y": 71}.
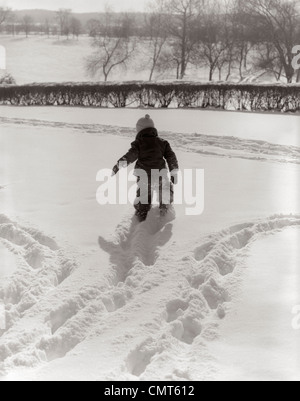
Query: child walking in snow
{"x": 152, "y": 154}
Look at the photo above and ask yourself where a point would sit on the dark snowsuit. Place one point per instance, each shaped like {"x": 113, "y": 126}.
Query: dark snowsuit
{"x": 151, "y": 153}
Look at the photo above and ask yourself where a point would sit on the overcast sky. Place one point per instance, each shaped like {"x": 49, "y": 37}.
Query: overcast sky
{"x": 76, "y": 5}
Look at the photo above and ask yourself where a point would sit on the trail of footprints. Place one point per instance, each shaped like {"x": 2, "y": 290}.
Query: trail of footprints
{"x": 256, "y": 150}
{"x": 70, "y": 322}
{"x": 41, "y": 268}
{"x": 190, "y": 316}
{"x": 185, "y": 318}
{"x": 134, "y": 250}
{"x": 41, "y": 264}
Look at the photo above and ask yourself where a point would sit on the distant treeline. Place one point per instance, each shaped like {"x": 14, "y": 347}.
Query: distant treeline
{"x": 66, "y": 23}
{"x": 231, "y": 39}
{"x": 247, "y": 97}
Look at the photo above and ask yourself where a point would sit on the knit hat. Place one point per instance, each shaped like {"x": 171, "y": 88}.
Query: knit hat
{"x": 143, "y": 123}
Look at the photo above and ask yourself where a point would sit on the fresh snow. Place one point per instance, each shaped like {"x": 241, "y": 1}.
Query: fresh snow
{"x": 28, "y": 57}
{"x": 274, "y": 128}
{"x": 65, "y": 60}
{"x": 95, "y": 296}
{"x": 257, "y": 341}
{"x": 8, "y": 261}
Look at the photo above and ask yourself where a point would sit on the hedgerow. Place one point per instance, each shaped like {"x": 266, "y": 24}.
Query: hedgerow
{"x": 223, "y": 96}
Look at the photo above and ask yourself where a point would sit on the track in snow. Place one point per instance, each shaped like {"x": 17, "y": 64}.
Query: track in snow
{"x": 137, "y": 243}
{"x": 139, "y": 266}
{"x": 194, "y": 314}
{"x": 206, "y": 145}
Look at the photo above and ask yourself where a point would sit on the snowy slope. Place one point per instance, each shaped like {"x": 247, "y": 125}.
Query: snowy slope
{"x": 275, "y": 128}
{"x": 248, "y": 349}
{"x": 153, "y": 319}
{"x": 207, "y": 145}
{"x": 93, "y": 295}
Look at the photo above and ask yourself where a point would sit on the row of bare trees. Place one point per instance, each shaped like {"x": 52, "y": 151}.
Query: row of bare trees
{"x": 111, "y": 49}
{"x": 4, "y": 13}
{"x": 64, "y": 24}
{"x": 279, "y": 24}
{"x": 68, "y": 24}
{"x": 229, "y": 38}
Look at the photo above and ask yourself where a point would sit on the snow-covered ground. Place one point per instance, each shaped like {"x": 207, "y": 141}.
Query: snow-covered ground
{"x": 43, "y": 59}
{"x": 92, "y": 295}
{"x": 278, "y": 129}
{"x": 257, "y": 341}
{"x": 39, "y": 59}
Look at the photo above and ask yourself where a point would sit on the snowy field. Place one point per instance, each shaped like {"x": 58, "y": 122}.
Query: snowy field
{"x": 42, "y": 59}
{"x": 37, "y": 59}
{"x": 91, "y": 295}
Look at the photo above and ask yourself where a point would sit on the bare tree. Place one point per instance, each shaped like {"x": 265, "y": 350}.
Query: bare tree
{"x": 47, "y": 28}
{"x": 111, "y": 51}
{"x": 63, "y": 18}
{"x": 27, "y": 23}
{"x": 245, "y": 34}
{"x": 125, "y": 25}
{"x": 156, "y": 27}
{"x": 4, "y": 14}
{"x": 55, "y": 31}
{"x": 243, "y": 48}
{"x": 229, "y": 36}
{"x": 170, "y": 60}
{"x": 11, "y": 23}
{"x": 266, "y": 59}
{"x": 182, "y": 24}
{"x": 75, "y": 27}
{"x": 214, "y": 47}
{"x": 279, "y": 21}
{"x": 93, "y": 27}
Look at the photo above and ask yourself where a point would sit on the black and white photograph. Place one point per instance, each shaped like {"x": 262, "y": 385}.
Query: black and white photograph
{"x": 149, "y": 193}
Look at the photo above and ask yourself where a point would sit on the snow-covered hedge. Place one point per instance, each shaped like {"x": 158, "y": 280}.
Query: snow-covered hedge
{"x": 222, "y": 96}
